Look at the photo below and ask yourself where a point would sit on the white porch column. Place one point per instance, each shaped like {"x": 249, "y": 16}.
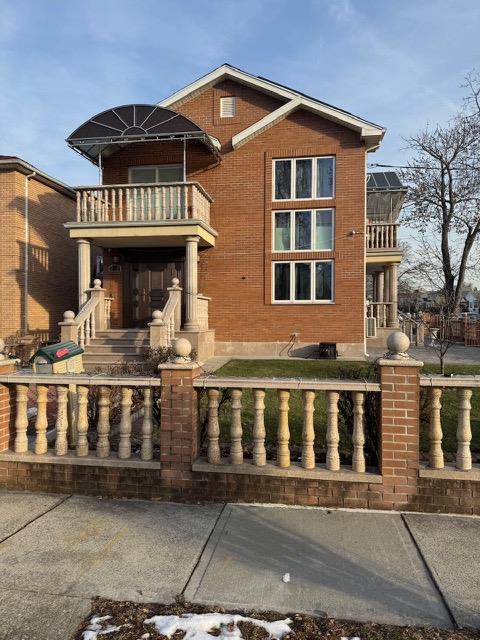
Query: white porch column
{"x": 191, "y": 284}
{"x": 392, "y": 277}
{"x": 84, "y": 270}
{"x": 379, "y": 298}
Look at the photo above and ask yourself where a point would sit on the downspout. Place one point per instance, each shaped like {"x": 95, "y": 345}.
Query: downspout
{"x": 26, "y": 256}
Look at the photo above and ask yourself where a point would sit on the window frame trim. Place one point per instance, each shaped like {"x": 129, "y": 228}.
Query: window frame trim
{"x": 312, "y": 282}
{"x": 170, "y": 165}
{"x": 312, "y": 230}
{"x": 293, "y": 175}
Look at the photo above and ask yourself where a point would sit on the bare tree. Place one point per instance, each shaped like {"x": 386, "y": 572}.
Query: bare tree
{"x": 443, "y": 200}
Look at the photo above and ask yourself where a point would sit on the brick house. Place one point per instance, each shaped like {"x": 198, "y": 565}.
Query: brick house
{"x": 37, "y": 258}
{"x": 253, "y": 196}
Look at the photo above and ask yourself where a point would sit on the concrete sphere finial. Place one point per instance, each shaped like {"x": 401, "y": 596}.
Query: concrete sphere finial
{"x": 157, "y": 317}
{"x": 182, "y": 348}
{"x": 175, "y": 282}
{"x": 97, "y": 283}
{"x": 69, "y": 317}
{"x": 398, "y": 343}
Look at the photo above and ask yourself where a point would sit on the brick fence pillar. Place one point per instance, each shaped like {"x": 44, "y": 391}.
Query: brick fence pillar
{"x": 179, "y": 425}
{"x": 7, "y": 407}
{"x": 399, "y": 430}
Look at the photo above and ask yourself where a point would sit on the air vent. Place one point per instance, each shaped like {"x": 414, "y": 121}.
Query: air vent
{"x": 228, "y": 107}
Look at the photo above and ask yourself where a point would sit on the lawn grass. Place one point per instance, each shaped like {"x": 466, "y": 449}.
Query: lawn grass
{"x": 335, "y": 369}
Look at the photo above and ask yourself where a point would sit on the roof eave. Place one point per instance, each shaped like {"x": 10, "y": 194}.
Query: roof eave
{"x": 17, "y": 164}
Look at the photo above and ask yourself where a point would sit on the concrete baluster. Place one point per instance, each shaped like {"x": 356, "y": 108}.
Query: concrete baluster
{"x": 103, "y": 424}
{"x": 436, "y": 460}
{"x": 283, "y": 434}
{"x": 236, "y": 450}
{"x": 125, "y": 427}
{"x": 21, "y": 420}
{"x": 464, "y": 431}
{"x": 213, "y": 429}
{"x": 82, "y": 421}
{"x": 358, "y": 437}
{"x": 308, "y": 434}
{"x": 259, "y": 453}
{"x": 146, "y": 451}
{"x": 41, "y": 423}
{"x": 61, "y": 424}
{"x": 333, "y": 438}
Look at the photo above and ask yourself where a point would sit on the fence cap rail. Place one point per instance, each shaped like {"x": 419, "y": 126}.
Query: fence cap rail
{"x": 457, "y": 381}
{"x": 81, "y": 379}
{"x": 313, "y": 384}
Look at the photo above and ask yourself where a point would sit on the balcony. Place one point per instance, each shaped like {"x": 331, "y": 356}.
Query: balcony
{"x": 382, "y": 237}
{"x": 143, "y": 215}
{"x": 143, "y": 203}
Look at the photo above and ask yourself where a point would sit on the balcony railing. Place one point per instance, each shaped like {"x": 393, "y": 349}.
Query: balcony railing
{"x": 382, "y": 236}
{"x": 156, "y": 202}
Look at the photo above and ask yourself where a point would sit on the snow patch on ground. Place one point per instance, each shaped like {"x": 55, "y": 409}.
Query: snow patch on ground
{"x": 197, "y": 626}
{"x": 96, "y": 628}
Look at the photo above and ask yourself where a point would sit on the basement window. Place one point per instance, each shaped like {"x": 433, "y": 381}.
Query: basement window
{"x": 228, "y": 107}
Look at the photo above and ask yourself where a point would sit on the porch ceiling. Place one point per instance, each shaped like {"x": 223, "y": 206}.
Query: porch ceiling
{"x": 135, "y": 234}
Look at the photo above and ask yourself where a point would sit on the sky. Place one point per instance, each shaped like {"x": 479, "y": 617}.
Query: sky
{"x": 398, "y": 63}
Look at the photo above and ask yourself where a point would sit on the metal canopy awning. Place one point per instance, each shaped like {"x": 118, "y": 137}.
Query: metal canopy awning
{"x": 109, "y": 131}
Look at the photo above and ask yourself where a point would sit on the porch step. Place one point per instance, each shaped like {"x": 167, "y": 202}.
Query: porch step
{"x": 116, "y": 346}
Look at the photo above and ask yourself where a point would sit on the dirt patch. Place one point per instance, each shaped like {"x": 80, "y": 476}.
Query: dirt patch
{"x": 304, "y": 627}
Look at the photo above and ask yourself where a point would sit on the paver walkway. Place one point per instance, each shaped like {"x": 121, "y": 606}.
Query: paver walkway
{"x": 58, "y": 552}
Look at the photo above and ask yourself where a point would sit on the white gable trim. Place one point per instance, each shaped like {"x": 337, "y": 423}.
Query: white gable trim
{"x": 221, "y": 73}
{"x": 371, "y": 133}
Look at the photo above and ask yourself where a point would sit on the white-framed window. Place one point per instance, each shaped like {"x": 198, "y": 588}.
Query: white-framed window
{"x": 228, "y": 107}
{"x": 303, "y": 281}
{"x": 304, "y": 178}
{"x": 304, "y": 230}
{"x": 155, "y": 173}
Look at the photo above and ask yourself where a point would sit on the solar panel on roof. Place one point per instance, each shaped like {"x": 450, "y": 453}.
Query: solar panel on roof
{"x": 387, "y": 180}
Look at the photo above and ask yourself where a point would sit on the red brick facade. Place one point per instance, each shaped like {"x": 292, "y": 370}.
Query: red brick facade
{"x": 237, "y": 272}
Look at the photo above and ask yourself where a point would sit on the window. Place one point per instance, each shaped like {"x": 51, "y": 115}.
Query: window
{"x": 228, "y": 107}
{"x": 303, "y": 281}
{"x": 156, "y": 173}
{"x": 303, "y": 230}
{"x": 304, "y": 178}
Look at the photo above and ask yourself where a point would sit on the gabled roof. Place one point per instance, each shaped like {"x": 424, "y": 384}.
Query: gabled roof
{"x": 293, "y": 100}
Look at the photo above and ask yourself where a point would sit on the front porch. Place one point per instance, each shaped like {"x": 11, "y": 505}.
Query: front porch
{"x": 146, "y": 278}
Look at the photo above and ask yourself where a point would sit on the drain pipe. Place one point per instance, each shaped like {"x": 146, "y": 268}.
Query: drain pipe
{"x": 26, "y": 256}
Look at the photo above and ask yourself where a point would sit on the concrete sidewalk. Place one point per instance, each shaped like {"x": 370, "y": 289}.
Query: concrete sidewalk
{"x": 58, "y": 552}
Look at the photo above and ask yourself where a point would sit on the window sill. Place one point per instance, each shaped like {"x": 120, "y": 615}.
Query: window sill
{"x": 302, "y": 302}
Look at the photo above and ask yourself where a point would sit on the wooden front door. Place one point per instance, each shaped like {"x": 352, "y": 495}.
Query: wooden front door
{"x": 149, "y": 288}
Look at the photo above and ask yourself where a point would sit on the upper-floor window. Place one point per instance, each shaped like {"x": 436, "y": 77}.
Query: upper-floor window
{"x": 303, "y": 230}
{"x": 304, "y": 178}
{"x": 228, "y": 107}
{"x": 156, "y": 173}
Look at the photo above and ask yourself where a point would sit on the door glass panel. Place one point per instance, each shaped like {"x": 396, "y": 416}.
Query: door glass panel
{"x": 282, "y": 231}
{"x": 325, "y": 177}
{"x": 303, "y": 179}
{"x": 303, "y": 281}
{"x": 283, "y": 174}
{"x": 323, "y": 281}
{"x": 324, "y": 230}
{"x": 282, "y": 281}
{"x": 303, "y": 230}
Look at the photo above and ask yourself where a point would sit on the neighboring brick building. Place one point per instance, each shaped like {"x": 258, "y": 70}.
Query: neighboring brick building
{"x": 38, "y": 262}
{"x": 282, "y": 244}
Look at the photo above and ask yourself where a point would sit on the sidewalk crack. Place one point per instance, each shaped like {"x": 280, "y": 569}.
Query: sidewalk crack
{"x": 431, "y": 573}
{"x": 40, "y": 515}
